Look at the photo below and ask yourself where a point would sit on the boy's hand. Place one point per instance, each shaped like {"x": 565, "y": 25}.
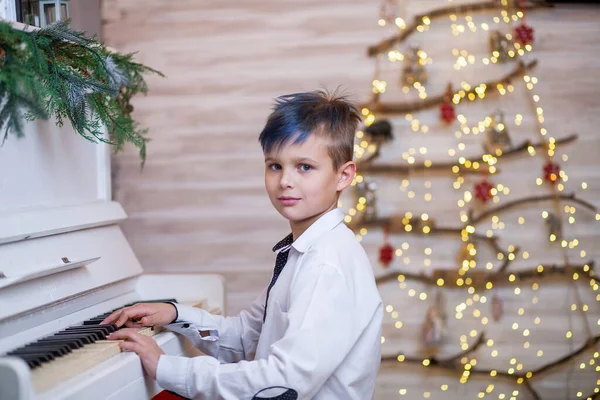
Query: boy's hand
{"x": 143, "y": 346}
{"x": 143, "y": 314}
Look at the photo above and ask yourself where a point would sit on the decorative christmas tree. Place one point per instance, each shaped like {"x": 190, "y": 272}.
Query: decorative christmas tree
{"x": 479, "y": 300}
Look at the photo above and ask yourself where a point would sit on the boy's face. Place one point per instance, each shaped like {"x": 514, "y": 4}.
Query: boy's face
{"x": 301, "y": 182}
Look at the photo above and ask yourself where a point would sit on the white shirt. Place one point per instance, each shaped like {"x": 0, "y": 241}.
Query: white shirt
{"x": 321, "y": 338}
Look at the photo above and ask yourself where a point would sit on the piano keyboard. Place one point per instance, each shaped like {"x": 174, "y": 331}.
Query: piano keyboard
{"x": 55, "y": 358}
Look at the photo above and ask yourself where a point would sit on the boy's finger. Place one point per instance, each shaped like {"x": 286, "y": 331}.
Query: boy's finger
{"x": 132, "y": 324}
{"x": 131, "y": 346}
{"x": 111, "y": 318}
{"x": 124, "y": 334}
{"x": 131, "y": 314}
{"x": 149, "y": 320}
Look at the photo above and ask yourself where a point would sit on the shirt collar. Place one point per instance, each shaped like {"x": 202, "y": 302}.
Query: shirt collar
{"x": 324, "y": 224}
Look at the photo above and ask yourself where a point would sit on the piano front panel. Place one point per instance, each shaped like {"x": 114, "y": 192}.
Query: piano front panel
{"x": 117, "y": 262}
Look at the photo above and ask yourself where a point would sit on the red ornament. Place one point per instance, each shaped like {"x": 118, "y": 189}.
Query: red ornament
{"x": 524, "y": 34}
{"x": 551, "y": 172}
{"x": 386, "y": 254}
{"x": 447, "y": 113}
{"x": 483, "y": 191}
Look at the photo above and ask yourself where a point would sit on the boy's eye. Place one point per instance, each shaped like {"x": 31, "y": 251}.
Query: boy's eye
{"x": 305, "y": 167}
{"x": 275, "y": 167}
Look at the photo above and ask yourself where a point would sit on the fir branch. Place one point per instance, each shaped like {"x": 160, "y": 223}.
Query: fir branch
{"x": 59, "y": 72}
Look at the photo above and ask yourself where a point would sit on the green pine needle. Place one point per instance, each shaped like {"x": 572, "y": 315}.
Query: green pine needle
{"x": 56, "y": 71}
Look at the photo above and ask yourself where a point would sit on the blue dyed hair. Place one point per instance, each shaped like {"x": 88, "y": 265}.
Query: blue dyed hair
{"x": 299, "y": 115}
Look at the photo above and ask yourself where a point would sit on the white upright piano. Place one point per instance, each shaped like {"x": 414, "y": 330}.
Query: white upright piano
{"x": 63, "y": 261}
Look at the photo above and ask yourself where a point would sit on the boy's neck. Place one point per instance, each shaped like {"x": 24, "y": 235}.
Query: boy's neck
{"x": 299, "y": 227}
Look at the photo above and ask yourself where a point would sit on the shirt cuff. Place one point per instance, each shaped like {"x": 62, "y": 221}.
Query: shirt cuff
{"x": 172, "y": 372}
{"x": 176, "y": 311}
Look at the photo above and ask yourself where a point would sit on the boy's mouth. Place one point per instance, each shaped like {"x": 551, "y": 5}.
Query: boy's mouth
{"x": 288, "y": 201}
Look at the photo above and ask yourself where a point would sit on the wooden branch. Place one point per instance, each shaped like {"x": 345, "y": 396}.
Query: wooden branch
{"x": 444, "y": 362}
{"x": 393, "y": 275}
{"x": 523, "y": 147}
{"x": 589, "y": 344}
{"x": 387, "y": 44}
{"x": 532, "y": 199}
{"x": 365, "y": 166}
{"x": 395, "y": 225}
{"x": 480, "y": 278}
{"x": 453, "y": 359}
{"x": 450, "y": 364}
{"x": 406, "y": 169}
{"x": 433, "y": 101}
{"x": 592, "y": 396}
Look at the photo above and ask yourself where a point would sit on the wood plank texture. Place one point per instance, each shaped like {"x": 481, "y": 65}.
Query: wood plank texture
{"x": 199, "y": 204}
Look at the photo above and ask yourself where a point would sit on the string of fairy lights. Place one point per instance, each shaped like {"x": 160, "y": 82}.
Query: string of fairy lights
{"x": 524, "y": 321}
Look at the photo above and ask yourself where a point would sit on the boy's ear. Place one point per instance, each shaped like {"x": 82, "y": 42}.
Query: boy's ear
{"x": 346, "y": 174}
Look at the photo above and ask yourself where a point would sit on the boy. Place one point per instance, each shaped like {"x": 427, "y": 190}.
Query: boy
{"x": 315, "y": 331}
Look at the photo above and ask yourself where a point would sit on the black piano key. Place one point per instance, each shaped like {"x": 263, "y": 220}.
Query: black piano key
{"x": 90, "y": 336}
{"x": 86, "y": 339}
{"x": 109, "y": 328}
{"x": 98, "y": 334}
{"x": 31, "y": 361}
{"x": 72, "y": 343}
{"x": 55, "y": 352}
{"x": 94, "y": 321}
{"x": 42, "y": 358}
{"x": 62, "y": 346}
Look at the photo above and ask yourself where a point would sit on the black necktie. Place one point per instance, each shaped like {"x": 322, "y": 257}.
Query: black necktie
{"x": 280, "y": 261}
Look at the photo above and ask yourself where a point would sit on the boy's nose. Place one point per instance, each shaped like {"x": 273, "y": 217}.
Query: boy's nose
{"x": 286, "y": 180}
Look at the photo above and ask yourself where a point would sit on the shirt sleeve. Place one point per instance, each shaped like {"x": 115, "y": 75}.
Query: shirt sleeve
{"x": 230, "y": 339}
{"x": 313, "y": 346}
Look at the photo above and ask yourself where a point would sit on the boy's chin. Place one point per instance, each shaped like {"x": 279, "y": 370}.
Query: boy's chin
{"x": 292, "y": 215}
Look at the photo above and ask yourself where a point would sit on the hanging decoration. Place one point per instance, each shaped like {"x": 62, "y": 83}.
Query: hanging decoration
{"x": 497, "y": 140}
{"x": 524, "y": 33}
{"x": 366, "y": 192}
{"x": 447, "y": 112}
{"x": 551, "y": 172}
{"x": 389, "y": 11}
{"x": 554, "y": 227}
{"x": 386, "y": 252}
{"x": 413, "y": 69}
{"x": 500, "y": 46}
{"x": 434, "y": 326}
{"x": 58, "y": 72}
{"x": 380, "y": 131}
{"x": 483, "y": 191}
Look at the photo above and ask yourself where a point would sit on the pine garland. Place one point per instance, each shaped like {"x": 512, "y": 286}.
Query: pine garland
{"x": 58, "y": 72}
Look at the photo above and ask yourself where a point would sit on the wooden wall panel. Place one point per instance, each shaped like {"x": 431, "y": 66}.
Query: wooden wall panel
{"x": 199, "y": 204}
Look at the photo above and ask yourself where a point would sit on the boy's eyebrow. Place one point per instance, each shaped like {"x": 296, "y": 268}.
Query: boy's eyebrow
{"x": 305, "y": 159}
{"x": 296, "y": 160}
